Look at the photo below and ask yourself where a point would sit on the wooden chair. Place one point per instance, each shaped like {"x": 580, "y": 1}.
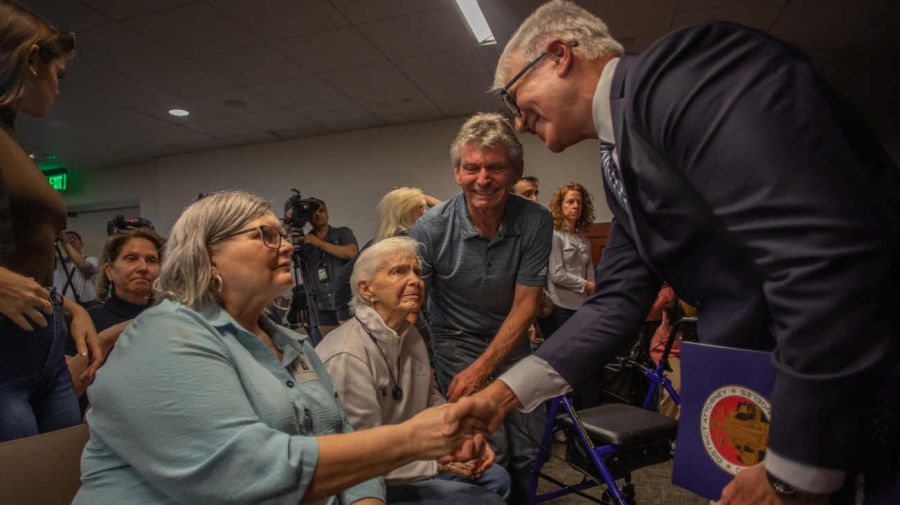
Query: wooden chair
{"x": 44, "y": 469}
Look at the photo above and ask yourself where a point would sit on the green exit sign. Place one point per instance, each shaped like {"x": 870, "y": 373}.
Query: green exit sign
{"x": 58, "y": 178}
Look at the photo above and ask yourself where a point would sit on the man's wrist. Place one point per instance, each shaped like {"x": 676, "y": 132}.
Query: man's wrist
{"x": 787, "y": 491}
{"x": 503, "y": 397}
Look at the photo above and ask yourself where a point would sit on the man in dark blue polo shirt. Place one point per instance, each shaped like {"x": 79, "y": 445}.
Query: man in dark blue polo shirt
{"x": 484, "y": 259}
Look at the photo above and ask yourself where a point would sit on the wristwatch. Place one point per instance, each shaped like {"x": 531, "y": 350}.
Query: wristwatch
{"x": 785, "y": 490}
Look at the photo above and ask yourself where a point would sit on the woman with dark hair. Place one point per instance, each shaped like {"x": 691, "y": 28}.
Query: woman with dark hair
{"x": 569, "y": 276}
{"x": 35, "y": 387}
{"x": 129, "y": 264}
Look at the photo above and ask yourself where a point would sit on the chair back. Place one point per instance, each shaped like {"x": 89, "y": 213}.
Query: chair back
{"x": 44, "y": 469}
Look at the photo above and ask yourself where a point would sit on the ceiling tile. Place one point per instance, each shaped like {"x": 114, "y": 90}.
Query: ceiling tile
{"x": 759, "y": 14}
{"x": 487, "y": 103}
{"x": 699, "y": 5}
{"x": 183, "y": 79}
{"x": 422, "y": 33}
{"x": 465, "y": 82}
{"x": 194, "y": 30}
{"x": 293, "y": 133}
{"x": 67, "y": 15}
{"x": 826, "y": 24}
{"x": 638, "y": 34}
{"x": 257, "y": 137}
{"x": 221, "y": 128}
{"x": 401, "y": 107}
{"x": 254, "y": 65}
{"x": 118, "y": 47}
{"x": 118, "y": 9}
{"x": 504, "y": 17}
{"x": 276, "y": 119}
{"x": 614, "y": 12}
{"x": 298, "y": 92}
{"x": 361, "y": 11}
{"x": 338, "y": 114}
{"x": 281, "y": 19}
{"x": 329, "y": 51}
{"x": 368, "y": 80}
{"x": 214, "y": 103}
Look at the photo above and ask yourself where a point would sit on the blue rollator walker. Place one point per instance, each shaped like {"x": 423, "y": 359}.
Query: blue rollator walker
{"x": 610, "y": 441}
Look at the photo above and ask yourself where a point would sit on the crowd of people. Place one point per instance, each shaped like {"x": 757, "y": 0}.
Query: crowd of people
{"x": 425, "y": 387}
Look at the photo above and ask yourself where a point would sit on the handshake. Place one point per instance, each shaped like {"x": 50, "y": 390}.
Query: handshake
{"x": 455, "y": 434}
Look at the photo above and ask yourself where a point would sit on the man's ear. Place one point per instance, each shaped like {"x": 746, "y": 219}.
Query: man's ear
{"x": 456, "y": 174}
{"x": 562, "y": 56}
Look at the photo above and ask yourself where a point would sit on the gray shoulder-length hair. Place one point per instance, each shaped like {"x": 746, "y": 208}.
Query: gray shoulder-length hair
{"x": 374, "y": 258}
{"x": 185, "y": 274}
{"x": 557, "y": 19}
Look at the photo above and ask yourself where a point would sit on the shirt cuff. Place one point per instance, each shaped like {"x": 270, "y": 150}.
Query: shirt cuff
{"x": 534, "y": 381}
{"x": 808, "y": 478}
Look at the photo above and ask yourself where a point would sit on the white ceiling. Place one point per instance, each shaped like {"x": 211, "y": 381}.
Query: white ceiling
{"x": 308, "y": 67}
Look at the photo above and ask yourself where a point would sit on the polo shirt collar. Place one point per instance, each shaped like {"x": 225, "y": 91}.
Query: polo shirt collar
{"x": 508, "y": 224}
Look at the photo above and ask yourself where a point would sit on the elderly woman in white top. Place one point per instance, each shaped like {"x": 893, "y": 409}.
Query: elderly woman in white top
{"x": 379, "y": 364}
{"x": 570, "y": 274}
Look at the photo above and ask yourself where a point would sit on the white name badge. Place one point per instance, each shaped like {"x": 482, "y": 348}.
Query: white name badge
{"x": 302, "y": 370}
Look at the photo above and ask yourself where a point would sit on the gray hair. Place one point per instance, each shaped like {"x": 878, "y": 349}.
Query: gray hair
{"x": 374, "y": 258}
{"x": 560, "y": 19}
{"x": 394, "y": 211}
{"x": 185, "y": 273}
{"x": 488, "y": 129}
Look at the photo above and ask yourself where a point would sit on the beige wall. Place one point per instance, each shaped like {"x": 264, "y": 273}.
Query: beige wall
{"x": 351, "y": 171}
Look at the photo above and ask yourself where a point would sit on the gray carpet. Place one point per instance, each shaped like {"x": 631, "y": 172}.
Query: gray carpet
{"x": 653, "y": 484}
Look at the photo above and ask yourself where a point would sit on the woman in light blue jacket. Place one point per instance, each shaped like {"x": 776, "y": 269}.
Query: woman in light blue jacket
{"x": 205, "y": 400}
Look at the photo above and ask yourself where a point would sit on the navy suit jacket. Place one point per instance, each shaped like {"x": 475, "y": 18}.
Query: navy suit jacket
{"x": 764, "y": 200}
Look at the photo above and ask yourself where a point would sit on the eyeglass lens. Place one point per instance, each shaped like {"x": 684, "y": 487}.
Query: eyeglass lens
{"x": 271, "y": 236}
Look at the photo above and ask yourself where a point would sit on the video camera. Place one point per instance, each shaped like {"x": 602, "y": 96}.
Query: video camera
{"x": 120, "y": 223}
{"x": 298, "y": 210}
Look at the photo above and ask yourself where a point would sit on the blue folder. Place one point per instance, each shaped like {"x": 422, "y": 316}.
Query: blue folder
{"x": 725, "y": 412}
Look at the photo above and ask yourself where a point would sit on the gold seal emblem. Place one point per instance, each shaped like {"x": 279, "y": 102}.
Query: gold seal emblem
{"x": 734, "y": 427}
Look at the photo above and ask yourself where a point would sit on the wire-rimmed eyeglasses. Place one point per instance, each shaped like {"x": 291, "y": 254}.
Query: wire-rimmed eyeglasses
{"x": 271, "y": 236}
{"x": 508, "y": 99}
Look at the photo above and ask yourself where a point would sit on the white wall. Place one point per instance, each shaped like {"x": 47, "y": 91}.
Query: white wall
{"x": 351, "y": 171}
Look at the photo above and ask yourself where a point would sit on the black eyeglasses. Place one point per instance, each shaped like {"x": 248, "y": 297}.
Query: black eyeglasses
{"x": 508, "y": 99}
{"x": 270, "y": 235}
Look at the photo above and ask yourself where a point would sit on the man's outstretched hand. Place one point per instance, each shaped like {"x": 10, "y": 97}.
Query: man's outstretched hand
{"x": 488, "y": 408}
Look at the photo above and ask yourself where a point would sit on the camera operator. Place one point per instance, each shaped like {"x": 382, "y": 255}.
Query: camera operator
{"x": 75, "y": 274}
{"x": 329, "y": 248}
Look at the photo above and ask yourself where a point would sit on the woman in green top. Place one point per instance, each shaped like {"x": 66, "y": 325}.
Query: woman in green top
{"x": 205, "y": 400}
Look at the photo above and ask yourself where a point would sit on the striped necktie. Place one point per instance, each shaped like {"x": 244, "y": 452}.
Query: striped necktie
{"x": 613, "y": 174}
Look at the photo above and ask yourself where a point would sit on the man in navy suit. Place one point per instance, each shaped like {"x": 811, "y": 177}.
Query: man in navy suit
{"x": 735, "y": 173}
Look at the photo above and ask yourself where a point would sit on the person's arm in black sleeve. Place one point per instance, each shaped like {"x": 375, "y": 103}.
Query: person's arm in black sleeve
{"x": 610, "y": 318}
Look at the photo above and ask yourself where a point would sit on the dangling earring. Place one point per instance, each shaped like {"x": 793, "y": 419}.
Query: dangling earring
{"x": 33, "y": 73}
{"x": 216, "y": 283}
